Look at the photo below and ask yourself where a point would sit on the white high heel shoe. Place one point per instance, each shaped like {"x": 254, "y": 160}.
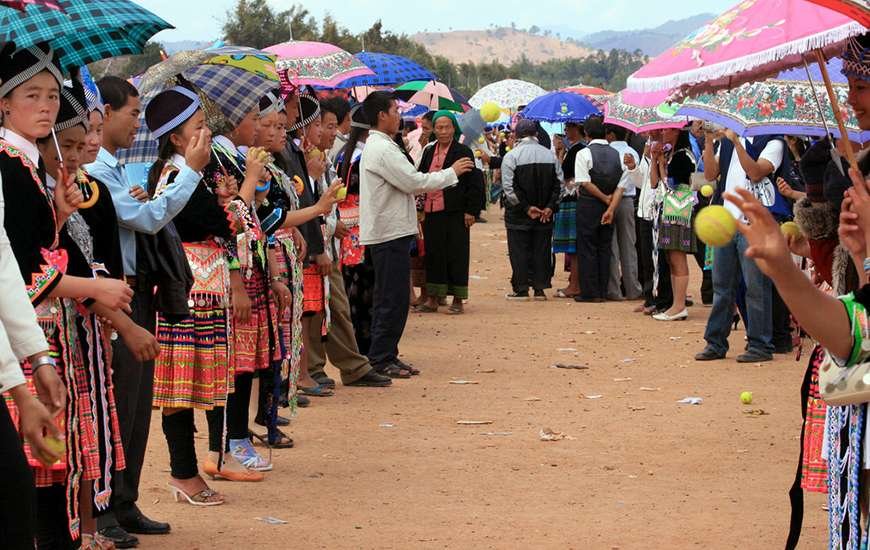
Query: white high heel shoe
{"x": 199, "y": 499}
{"x": 663, "y": 316}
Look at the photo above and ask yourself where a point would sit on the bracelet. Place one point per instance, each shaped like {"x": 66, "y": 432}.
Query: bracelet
{"x": 42, "y": 361}
{"x": 866, "y": 265}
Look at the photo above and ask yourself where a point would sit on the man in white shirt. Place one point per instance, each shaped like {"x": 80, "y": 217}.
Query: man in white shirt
{"x": 388, "y": 225}
{"x": 623, "y": 261}
{"x": 749, "y": 161}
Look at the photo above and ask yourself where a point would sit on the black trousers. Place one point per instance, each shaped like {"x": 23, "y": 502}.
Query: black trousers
{"x": 645, "y": 265}
{"x": 52, "y": 531}
{"x": 594, "y": 247}
{"x": 134, "y": 386}
{"x": 391, "y": 298}
{"x": 448, "y": 251}
{"x": 238, "y": 404}
{"x": 530, "y": 257}
{"x": 17, "y": 494}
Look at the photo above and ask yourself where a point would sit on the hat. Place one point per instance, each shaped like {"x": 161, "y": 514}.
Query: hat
{"x": 309, "y": 109}
{"x": 358, "y": 118}
{"x": 856, "y": 57}
{"x": 17, "y": 67}
{"x": 271, "y": 103}
{"x": 457, "y": 132}
{"x": 73, "y": 110}
{"x": 170, "y": 109}
{"x": 526, "y": 128}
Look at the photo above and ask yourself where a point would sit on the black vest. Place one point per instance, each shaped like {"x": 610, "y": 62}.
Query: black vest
{"x": 606, "y": 168}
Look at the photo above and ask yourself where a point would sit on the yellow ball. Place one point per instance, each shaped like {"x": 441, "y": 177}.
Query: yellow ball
{"x": 707, "y": 190}
{"x": 746, "y": 397}
{"x": 715, "y": 225}
{"x": 481, "y": 139}
{"x": 490, "y": 111}
{"x": 790, "y": 229}
{"x": 341, "y": 194}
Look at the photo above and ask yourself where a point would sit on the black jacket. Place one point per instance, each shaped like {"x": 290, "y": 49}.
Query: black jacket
{"x": 467, "y": 195}
{"x": 529, "y": 178}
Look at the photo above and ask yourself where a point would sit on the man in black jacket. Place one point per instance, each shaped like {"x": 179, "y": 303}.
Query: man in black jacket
{"x": 531, "y": 180}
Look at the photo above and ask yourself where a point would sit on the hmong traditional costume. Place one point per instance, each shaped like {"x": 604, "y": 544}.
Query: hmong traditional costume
{"x": 675, "y": 224}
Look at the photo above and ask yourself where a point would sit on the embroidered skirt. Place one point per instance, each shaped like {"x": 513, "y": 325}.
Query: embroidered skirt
{"x": 677, "y": 237}
{"x": 195, "y": 368}
{"x": 256, "y": 342}
{"x": 290, "y": 321}
{"x": 313, "y": 295}
{"x": 814, "y": 467}
{"x": 565, "y": 228}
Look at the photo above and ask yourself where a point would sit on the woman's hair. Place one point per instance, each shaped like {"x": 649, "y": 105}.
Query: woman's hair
{"x": 357, "y": 133}
{"x": 165, "y": 151}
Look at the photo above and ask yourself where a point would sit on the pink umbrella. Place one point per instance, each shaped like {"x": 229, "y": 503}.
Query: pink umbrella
{"x": 303, "y": 63}
{"x": 598, "y": 96}
{"x": 641, "y": 112}
{"x": 859, "y": 10}
{"x": 753, "y": 40}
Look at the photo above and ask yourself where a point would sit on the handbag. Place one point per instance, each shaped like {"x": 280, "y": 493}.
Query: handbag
{"x": 844, "y": 386}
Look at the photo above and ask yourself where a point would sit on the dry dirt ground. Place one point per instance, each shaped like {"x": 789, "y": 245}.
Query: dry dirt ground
{"x": 392, "y": 468}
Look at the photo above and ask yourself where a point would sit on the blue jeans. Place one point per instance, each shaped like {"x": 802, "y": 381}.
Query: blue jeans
{"x": 729, "y": 262}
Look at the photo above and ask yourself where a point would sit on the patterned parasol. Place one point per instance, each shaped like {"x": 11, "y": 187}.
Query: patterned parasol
{"x": 755, "y": 39}
{"x": 84, "y": 31}
{"x": 508, "y": 93}
{"x": 859, "y": 10}
{"x": 642, "y": 112}
{"x": 782, "y": 105}
{"x": 560, "y": 107}
{"x": 599, "y": 96}
{"x": 303, "y": 63}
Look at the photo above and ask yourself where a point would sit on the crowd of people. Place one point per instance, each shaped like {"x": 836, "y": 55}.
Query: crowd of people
{"x": 268, "y": 244}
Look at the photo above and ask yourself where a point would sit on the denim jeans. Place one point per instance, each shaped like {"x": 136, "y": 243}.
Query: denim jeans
{"x": 729, "y": 262}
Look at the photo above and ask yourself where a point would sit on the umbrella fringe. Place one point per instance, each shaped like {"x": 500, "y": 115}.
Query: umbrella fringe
{"x": 745, "y": 63}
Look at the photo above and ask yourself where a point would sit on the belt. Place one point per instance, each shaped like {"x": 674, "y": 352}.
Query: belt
{"x": 131, "y": 281}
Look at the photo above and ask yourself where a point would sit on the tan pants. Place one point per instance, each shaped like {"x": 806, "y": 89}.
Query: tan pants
{"x": 340, "y": 346}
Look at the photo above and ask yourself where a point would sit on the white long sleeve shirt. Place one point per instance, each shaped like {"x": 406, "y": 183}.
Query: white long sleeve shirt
{"x": 388, "y": 183}
{"x": 20, "y": 335}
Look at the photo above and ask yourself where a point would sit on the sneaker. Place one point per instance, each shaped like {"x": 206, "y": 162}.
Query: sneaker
{"x": 243, "y": 451}
{"x": 540, "y": 296}
{"x": 709, "y": 355}
{"x": 518, "y": 296}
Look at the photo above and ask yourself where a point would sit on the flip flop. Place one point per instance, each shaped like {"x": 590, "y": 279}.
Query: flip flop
{"x": 316, "y": 391}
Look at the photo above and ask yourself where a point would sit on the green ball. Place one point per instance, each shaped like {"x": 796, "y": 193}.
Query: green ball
{"x": 746, "y": 397}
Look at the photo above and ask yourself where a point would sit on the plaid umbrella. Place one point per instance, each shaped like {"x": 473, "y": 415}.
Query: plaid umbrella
{"x": 431, "y": 94}
{"x": 230, "y": 93}
{"x": 303, "y": 63}
{"x": 22, "y": 4}
{"x": 85, "y": 31}
{"x": 254, "y": 61}
{"x": 389, "y": 70}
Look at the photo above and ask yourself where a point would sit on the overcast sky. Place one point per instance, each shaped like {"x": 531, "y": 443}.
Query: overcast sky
{"x": 202, "y": 19}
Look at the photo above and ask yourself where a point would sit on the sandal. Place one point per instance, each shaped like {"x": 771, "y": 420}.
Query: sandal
{"x": 206, "y": 497}
{"x": 284, "y": 441}
{"x": 245, "y": 453}
{"x": 455, "y": 310}
{"x": 425, "y": 308}
{"x": 407, "y": 367}
{"x": 316, "y": 391}
{"x": 96, "y": 542}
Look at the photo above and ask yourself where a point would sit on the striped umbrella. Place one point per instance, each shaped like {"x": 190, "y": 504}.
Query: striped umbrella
{"x": 432, "y": 94}
{"x": 302, "y": 63}
{"x": 84, "y": 31}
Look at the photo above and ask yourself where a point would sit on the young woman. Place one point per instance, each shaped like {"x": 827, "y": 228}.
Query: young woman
{"x": 195, "y": 369}
{"x": 356, "y": 265}
{"x": 449, "y": 215}
{"x": 254, "y": 329}
{"x": 60, "y": 284}
{"x": 672, "y": 165}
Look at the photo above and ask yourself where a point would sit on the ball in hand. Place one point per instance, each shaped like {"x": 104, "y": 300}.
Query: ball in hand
{"x": 746, "y": 397}
{"x": 341, "y": 193}
{"x": 707, "y": 190}
{"x": 715, "y": 226}
{"x": 790, "y": 229}
{"x": 490, "y": 111}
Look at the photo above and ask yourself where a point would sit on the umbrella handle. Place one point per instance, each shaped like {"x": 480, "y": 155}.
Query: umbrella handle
{"x": 835, "y": 105}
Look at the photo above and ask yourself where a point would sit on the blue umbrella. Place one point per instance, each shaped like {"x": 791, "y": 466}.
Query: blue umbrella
{"x": 389, "y": 70}
{"x": 560, "y": 107}
{"x": 85, "y": 31}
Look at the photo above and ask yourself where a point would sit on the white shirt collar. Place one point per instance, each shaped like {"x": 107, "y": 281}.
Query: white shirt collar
{"x": 599, "y": 141}
{"x": 178, "y": 161}
{"x": 19, "y": 142}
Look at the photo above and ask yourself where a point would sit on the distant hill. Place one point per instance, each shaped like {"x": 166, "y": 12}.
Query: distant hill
{"x": 182, "y": 45}
{"x": 505, "y": 45}
{"x": 650, "y": 41}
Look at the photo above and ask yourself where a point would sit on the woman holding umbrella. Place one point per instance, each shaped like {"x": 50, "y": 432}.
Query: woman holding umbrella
{"x": 449, "y": 215}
